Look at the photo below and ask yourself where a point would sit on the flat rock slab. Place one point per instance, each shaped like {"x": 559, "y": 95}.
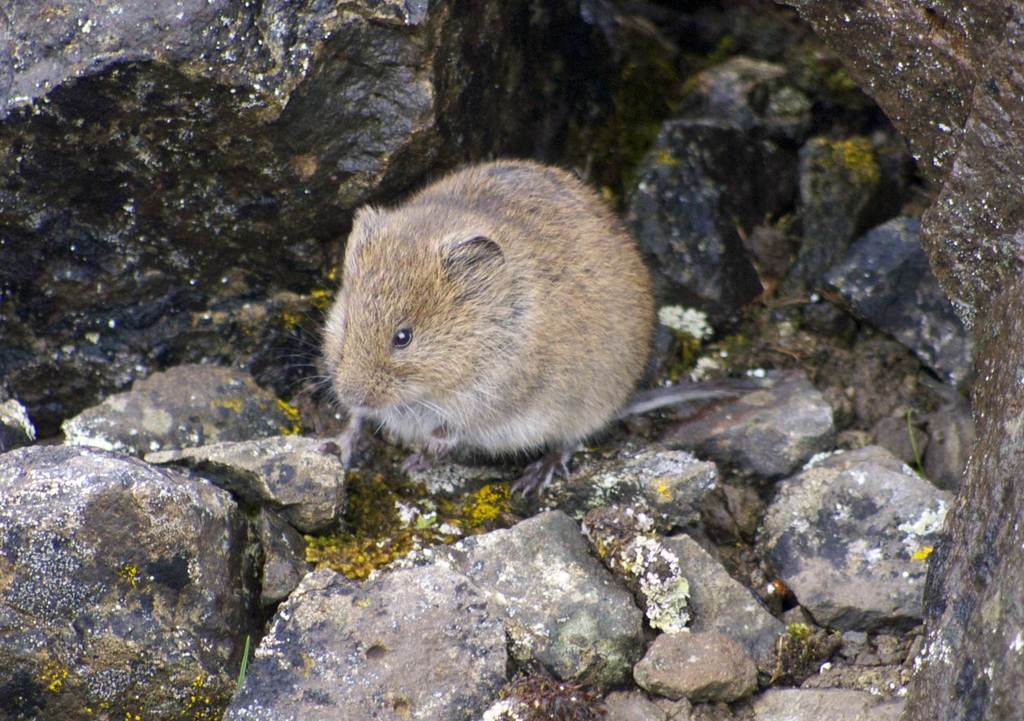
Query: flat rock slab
{"x": 183, "y": 407}
{"x": 795, "y": 704}
{"x": 850, "y": 536}
{"x": 886, "y": 279}
{"x": 718, "y": 602}
{"x": 121, "y": 584}
{"x": 286, "y": 473}
{"x": 667, "y": 484}
{"x": 769, "y": 432}
{"x": 561, "y": 607}
{"x": 699, "y": 666}
{"x": 419, "y": 643}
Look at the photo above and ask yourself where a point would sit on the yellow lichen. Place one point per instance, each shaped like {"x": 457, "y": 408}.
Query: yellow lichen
{"x": 293, "y": 417}
{"x": 922, "y": 553}
{"x": 290, "y": 319}
{"x": 130, "y": 573}
{"x": 53, "y": 677}
{"x": 320, "y": 298}
{"x": 232, "y": 404}
{"x": 486, "y": 505}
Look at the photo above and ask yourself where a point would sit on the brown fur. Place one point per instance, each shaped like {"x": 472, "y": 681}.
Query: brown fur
{"x": 530, "y": 308}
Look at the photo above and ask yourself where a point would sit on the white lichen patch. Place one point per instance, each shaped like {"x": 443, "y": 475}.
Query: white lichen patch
{"x": 928, "y": 523}
{"x": 686, "y": 320}
{"x": 665, "y": 589}
{"x": 506, "y": 709}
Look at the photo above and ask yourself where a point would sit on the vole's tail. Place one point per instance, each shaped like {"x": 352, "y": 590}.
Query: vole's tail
{"x": 686, "y": 391}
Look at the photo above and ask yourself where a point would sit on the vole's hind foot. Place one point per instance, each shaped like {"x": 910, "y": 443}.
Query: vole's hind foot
{"x": 539, "y": 474}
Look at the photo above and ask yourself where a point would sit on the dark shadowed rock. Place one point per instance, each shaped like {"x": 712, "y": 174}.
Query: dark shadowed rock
{"x": 161, "y": 161}
{"x": 794, "y": 704}
{"x": 768, "y": 432}
{"x": 850, "y": 536}
{"x": 16, "y": 429}
{"x": 886, "y": 280}
{"x": 950, "y": 439}
{"x": 561, "y": 608}
{"x": 699, "y": 666}
{"x": 903, "y": 439}
{"x": 183, "y": 407}
{"x": 416, "y": 643}
{"x": 287, "y": 473}
{"x": 720, "y": 603}
{"x": 284, "y": 558}
{"x": 122, "y": 586}
{"x": 702, "y": 179}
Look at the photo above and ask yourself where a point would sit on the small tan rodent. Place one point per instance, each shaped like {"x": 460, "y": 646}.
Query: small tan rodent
{"x": 502, "y": 308}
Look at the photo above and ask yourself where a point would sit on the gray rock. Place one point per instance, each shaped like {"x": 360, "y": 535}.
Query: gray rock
{"x": 129, "y": 587}
{"x": 416, "y": 643}
{"x": 950, "y": 439}
{"x": 561, "y": 608}
{"x": 702, "y": 179}
{"x": 886, "y": 280}
{"x": 699, "y": 666}
{"x": 16, "y": 430}
{"x": 286, "y": 473}
{"x": 636, "y": 706}
{"x": 667, "y": 484}
{"x": 850, "y": 536}
{"x": 186, "y": 406}
{"x": 718, "y": 602}
{"x": 156, "y": 148}
{"x": 794, "y": 704}
{"x": 893, "y": 433}
{"x": 769, "y": 432}
{"x": 284, "y": 558}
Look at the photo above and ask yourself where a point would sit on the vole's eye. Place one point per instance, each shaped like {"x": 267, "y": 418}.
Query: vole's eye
{"x": 402, "y": 337}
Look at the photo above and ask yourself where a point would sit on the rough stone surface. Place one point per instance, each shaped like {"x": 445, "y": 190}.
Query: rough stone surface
{"x": 284, "y": 558}
{"x": 950, "y": 439}
{"x": 637, "y": 706}
{"x": 850, "y": 536}
{"x": 769, "y": 432}
{"x": 893, "y": 433}
{"x": 667, "y": 484}
{"x": 886, "y": 280}
{"x": 718, "y": 602}
{"x": 164, "y": 161}
{"x": 183, "y": 407}
{"x": 16, "y": 429}
{"x": 699, "y": 666}
{"x": 731, "y": 178}
{"x": 561, "y": 608}
{"x": 121, "y": 584}
{"x": 286, "y": 473}
{"x": 417, "y": 643}
{"x": 793, "y": 704}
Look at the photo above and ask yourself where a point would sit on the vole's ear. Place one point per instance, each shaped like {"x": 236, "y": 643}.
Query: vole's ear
{"x": 364, "y": 223}
{"x": 470, "y": 255}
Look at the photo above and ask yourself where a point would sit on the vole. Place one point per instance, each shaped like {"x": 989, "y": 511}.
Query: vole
{"x": 503, "y": 308}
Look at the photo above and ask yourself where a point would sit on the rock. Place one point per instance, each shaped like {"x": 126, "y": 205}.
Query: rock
{"x": 950, "y": 439}
{"x": 720, "y": 603}
{"x": 129, "y": 587}
{"x": 752, "y": 94}
{"x": 850, "y": 536}
{"x": 287, "y": 473}
{"x": 16, "y": 430}
{"x": 697, "y": 666}
{"x": 183, "y": 407}
{"x": 886, "y": 280}
{"x": 903, "y": 439}
{"x": 284, "y": 558}
{"x": 838, "y": 179}
{"x": 769, "y": 432}
{"x": 793, "y": 704}
{"x": 561, "y": 608}
{"x": 636, "y": 706}
{"x": 731, "y": 514}
{"x": 702, "y": 179}
{"x": 153, "y": 151}
{"x": 666, "y": 484}
{"x": 415, "y": 643}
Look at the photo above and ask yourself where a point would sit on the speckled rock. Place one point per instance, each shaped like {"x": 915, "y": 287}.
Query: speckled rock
{"x": 637, "y": 706}
{"x": 769, "y": 432}
{"x": 702, "y": 179}
{"x": 184, "y": 407}
{"x": 417, "y": 643}
{"x": 561, "y": 608}
{"x": 886, "y": 280}
{"x": 794, "y": 704}
{"x": 165, "y": 161}
{"x": 16, "y": 429}
{"x": 850, "y": 536}
{"x": 666, "y": 484}
{"x": 718, "y": 602}
{"x": 286, "y": 473}
{"x": 699, "y": 666}
{"x": 284, "y": 558}
{"x": 127, "y": 587}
